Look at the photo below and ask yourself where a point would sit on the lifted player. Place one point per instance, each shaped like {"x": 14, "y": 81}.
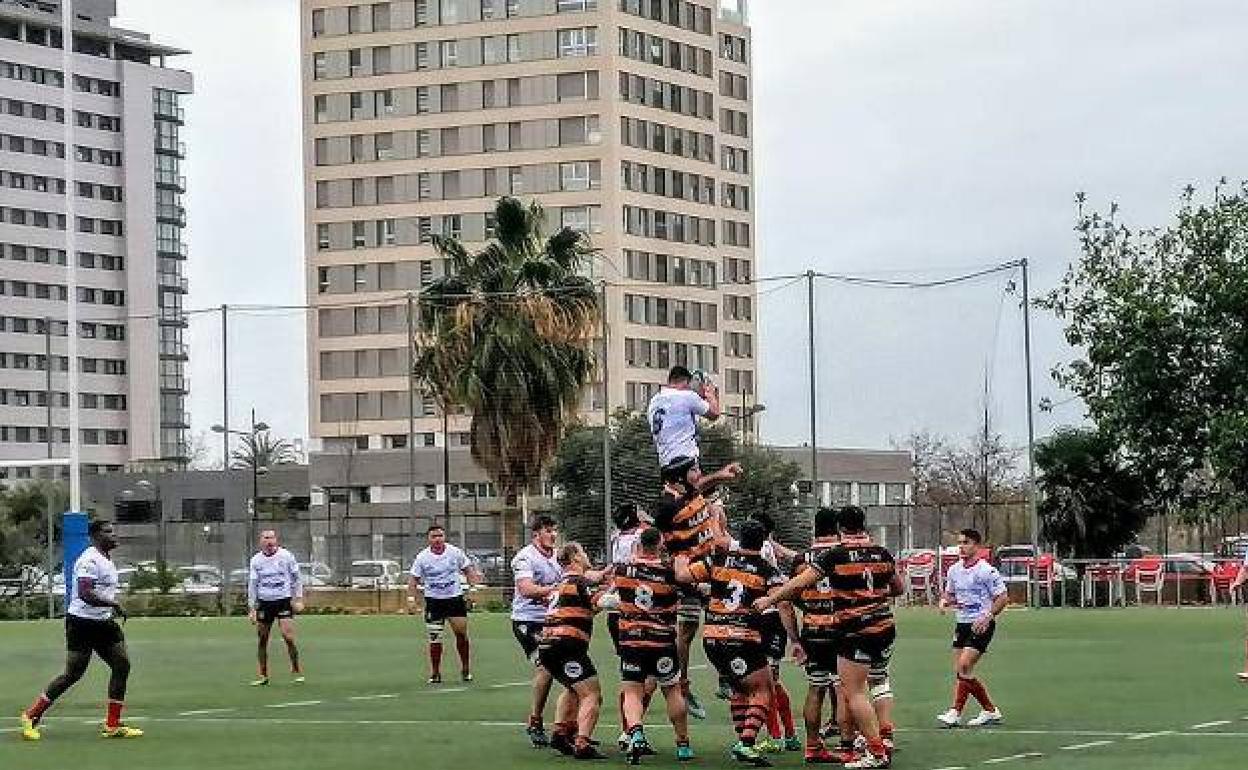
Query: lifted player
{"x": 537, "y": 574}
{"x": 274, "y": 593}
{"x": 436, "y": 572}
{"x": 90, "y": 627}
{"x": 975, "y": 588}
{"x": 564, "y": 652}
{"x": 646, "y": 587}
{"x": 733, "y": 637}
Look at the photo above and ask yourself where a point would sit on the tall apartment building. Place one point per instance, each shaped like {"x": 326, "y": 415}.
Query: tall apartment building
{"x": 127, "y": 232}
{"x": 628, "y": 119}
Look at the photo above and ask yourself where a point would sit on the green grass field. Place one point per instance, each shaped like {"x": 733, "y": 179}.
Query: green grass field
{"x": 1063, "y": 678}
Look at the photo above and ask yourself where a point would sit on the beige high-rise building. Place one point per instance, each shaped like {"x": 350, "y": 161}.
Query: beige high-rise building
{"x": 629, "y": 119}
{"x": 125, "y": 237}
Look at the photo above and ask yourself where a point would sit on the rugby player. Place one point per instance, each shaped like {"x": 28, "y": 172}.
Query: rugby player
{"x": 537, "y": 573}
{"x": 629, "y": 521}
{"x": 274, "y": 593}
{"x": 780, "y": 728}
{"x": 976, "y": 591}
{"x": 436, "y": 573}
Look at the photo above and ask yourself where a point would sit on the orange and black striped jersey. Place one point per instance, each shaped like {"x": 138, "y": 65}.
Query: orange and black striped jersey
{"x": 816, "y": 602}
{"x": 860, "y": 574}
{"x": 737, "y": 578}
{"x": 648, "y": 599}
{"x": 570, "y": 618}
{"x": 688, "y": 525}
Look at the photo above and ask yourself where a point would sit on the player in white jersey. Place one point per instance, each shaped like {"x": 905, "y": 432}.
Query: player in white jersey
{"x": 1240, "y": 578}
{"x": 90, "y": 628}
{"x": 436, "y": 573}
{"x": 673, "y": 415}
{"x": 629, "y": 522}
{"x": 975, "y": 588}
{"x": 537, "y": 574}
{"x": 274, "y": 593}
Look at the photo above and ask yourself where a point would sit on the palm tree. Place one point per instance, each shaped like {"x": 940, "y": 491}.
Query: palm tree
{"x": 508, "y": 333}
{"x": 261, "y": 450}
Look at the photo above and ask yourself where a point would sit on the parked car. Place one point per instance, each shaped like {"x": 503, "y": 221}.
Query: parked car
{"x": 316, "y": 574}
{"x": 377, "y": 573}
{"x": 200, "y": 579}
{"x": 1014, "y": 562}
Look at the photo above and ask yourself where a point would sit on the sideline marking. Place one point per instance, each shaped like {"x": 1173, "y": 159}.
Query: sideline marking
{"x": 1203, "y": 725}
{"x": 203, "y": 712}
{"x": 1088, "y": 745}
{"x": 293, "y": 704}
{"x": 381, "y": 696}
{"x": 1146, "y": 736}
{"x": 1012, "y": 757}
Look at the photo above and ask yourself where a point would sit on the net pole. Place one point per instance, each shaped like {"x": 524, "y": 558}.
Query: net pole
{"x": 816, "y": 498}
{"x": 225, "y": 444}
{"x": 411, "y": 413}
{"x": 71, "y": 255}
{"x": 1031, "y": 422}
{"x": 606, "y": 421}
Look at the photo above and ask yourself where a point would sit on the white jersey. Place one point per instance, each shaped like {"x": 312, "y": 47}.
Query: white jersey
{"x": 273, "y": 578}
{"x": 973, "y": 588}
{"x": 100, "y": 570}
{"x": 544, "y": 570}
{"x": 623, "y": 544}
{"x": 673, "y": 416}
{"x": 439, "y": 573}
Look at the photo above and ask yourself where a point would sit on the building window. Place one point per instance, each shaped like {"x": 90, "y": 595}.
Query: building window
{"x": 581, "y": 41}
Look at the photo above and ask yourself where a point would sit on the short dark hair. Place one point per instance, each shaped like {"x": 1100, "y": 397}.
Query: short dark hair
{"x": 97, "y": 526}
{"x": 765, "y": 519}
{"x": 625, "y": 516}
{"x": 972, "y": 535}
{"x": 433, "y": 527}
{"x": 679, "y": 374}
{"x": 542, "y": 522}
{"x": 650, "y": 538}
{"x": 568, "y": 553}
{"x": 852, "y": 519}
{"x": 753, "y": 535}
{"x": 826, "y": 522}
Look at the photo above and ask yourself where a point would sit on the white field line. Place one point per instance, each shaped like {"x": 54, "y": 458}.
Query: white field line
{"x": 293, "y": 704}
{"x": 952, "y": 767}
{"x": 1088, "y": 745}
{"x": 1146, "y": 736}
{"x": 449, "y": 689}
{"x": 1013, "y": 757}
{"x": 205, "y": 712}
{"x": 1203, "y": 725}
{"x": 379, "y": 696}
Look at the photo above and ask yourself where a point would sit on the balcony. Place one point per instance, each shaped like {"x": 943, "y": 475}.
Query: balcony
{"x": 170, "y": 180}
{"x": 176, "y": 383}
{"x": 164, "y": 110}
{"x": 171, "y": 213}
{"x": 172, "y": 316}
{"x": 178, "y": 419}
{"x": 173, "y": 349}
{"x": 170, "y": 247}
{"x": 734, "y": 11}
{"x": 173, "y": 281}
{"x": 170, "y": 146}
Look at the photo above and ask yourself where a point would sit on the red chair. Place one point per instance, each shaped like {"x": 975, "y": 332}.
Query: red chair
{"x": 1149, "y": 576}
{"x": 1109, "y": 575}
{"x": 920, "y": 572}
{"x": 1223, "y": 575}
{"x": 1041, "y": 572}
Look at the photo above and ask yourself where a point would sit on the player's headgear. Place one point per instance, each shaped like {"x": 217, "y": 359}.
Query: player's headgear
{"x": 826, "y": 522}
{"x": 626, "y": 516}
{"x": 852, "y": 519}
{"x": 753, "y": 535}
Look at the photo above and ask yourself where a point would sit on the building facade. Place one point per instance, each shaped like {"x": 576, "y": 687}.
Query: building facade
{"x": 626, "y": 119}
{"x": 127, "y": 239}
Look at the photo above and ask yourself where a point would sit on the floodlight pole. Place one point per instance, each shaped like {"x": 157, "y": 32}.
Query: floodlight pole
{"x": 810, "y": 343}
{"x": 606, "y": 421}
{"x": 71, "y": 255}
{"x": 1031, "y": 427}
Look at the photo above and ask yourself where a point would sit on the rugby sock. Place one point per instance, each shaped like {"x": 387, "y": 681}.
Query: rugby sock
{"x": 738, "y": 707}
{"x": 113, "y": 718}
{"x": 876, "y": 746}
{"x": 41, "y": 704}
{"x": 435, "y": 657}
{"x": 567, "y": 729}
{"x": 887, "y": 729}
{"x": 980, "y": 693}
{"x": 462, "y": 647}
{"x": 785, "y": 707}
{"x": 623, "y": 721}
{"x": 773, "y": 719}
{"x": 755, "y": 715}
{"x": 960, "y": 694}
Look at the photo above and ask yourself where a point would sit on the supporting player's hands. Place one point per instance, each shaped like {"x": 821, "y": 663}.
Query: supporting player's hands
{"x": 980, "y": 626}
{"x": 764, "y": 603}
{"x": 251, "y": 616}
{"x": 799, "y": 654}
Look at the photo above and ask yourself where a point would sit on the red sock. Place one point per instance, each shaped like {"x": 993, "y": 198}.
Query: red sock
{"x": 785, "y": 707}
{"x": 981, "y": 694}
{"x": 876, "y": 746}
{"x": 114, "y": 713}
{"x": 623, "y": 721}
{"x": 887, "y": 729}
{"x": 462, "y": 647}
{"x": 960, "y": 694}
{"x": 41, "y": 704}
{"x": 435, "y": 657}
{"x": 773, "y": 719}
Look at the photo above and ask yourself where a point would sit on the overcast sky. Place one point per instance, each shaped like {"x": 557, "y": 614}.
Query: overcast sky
{"x": 899, "y": 139}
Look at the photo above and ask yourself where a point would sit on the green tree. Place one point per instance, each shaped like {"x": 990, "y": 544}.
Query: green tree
{"x": 508, "y": 333}
{"x": 577, "y": 473}
{"x": 1091, "y": 503}
{"x": 262, "y": 450}
{"x": 23, "y": 526}
{"x": 1160, "y": 319}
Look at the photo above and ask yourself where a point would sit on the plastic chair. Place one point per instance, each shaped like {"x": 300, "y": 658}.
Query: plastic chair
{"x": 1150, "y": 577}
{"x": 1108, "y": 575}
{"x": 1041, "y": 576}
{"x": 920, "y": 576}
{"x": 1224, "y": 573}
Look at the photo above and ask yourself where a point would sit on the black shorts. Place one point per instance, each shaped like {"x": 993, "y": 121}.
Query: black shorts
{"x": 820, "y": 661}
{"x": 689, "y": 608}
{"x": 735, "y": 660}
{"x": 875, "y": 650}
{"x": 637, "y": 664}
{"x": 527, "y": 633}
{"x": 441, "y": 609}
{"x": 964, "y": 636}
{"x": 775, "y": 638}
{"x": 613, "y": 630}
{"x": 269, "y": 610}
{"x": 87, "y": 635}
{"x": 568, "y": 664}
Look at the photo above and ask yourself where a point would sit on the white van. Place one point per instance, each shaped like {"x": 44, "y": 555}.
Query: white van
{"x": 377, "y": 573}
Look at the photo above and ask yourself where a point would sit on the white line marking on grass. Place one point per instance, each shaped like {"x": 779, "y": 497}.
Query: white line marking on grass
{"x": 450, "y": 689}
{"x": 1203, "y": 725}
{"x": 510, "y": 684}
{"x": 1013, "y": 757}
{"x": 293, "y": 704}
{"x": 203, "y": 712}
{"x": 952, "y": 767}
{"x": 380, "y": 696}
{"x": 1088, "y": 745}
{"x": 1146, "y": 736}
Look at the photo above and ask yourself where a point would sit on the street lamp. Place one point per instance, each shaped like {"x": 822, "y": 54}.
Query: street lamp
{"x": 256, "y": 469}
